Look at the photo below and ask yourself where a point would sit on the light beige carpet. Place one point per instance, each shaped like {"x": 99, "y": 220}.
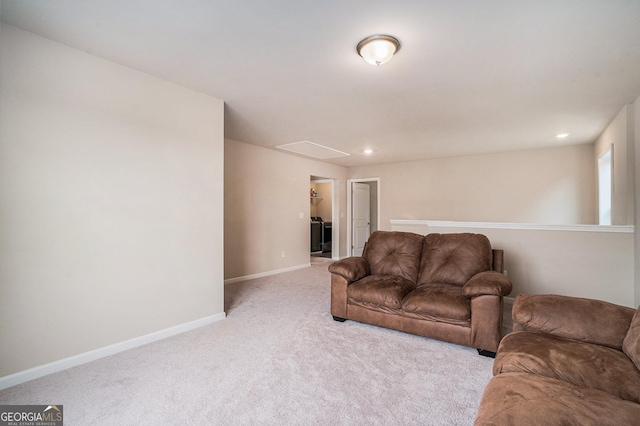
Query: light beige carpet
{"x": 277, "y": 359}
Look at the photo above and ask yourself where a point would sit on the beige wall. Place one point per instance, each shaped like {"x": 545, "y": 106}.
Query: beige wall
{"x": 636, "y": 192}
{"x": 266, "y": 191}
{"x": 548, "y": 186}
{"x": 619, "y": 134}
{"x": 111, "y": 203}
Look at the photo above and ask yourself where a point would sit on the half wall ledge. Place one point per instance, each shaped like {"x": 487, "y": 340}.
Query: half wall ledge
{"x": 628, "y": 229}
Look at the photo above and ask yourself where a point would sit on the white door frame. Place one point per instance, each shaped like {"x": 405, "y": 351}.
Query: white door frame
{"x": 349, "y": 208}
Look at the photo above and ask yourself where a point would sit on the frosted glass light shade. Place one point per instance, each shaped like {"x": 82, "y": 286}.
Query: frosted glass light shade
{"x": 378, "y": 49}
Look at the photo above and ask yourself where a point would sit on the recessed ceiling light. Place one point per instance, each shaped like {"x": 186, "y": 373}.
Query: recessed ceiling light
{"x": 562, "y": 135}
{"x": 368, "y": 151}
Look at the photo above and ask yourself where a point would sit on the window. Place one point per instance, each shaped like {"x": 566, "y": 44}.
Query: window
{"x": 605, "y": 186}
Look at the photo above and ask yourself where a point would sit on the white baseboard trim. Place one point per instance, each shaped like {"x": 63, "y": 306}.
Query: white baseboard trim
{"x": 83, "y": 358}
{"x": 266, "y": 274}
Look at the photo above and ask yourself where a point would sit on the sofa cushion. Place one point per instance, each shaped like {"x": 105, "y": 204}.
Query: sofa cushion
{"x": 631, "y": 343}
{"x": 394, "y": 253}
{"x": 587, "y": 320}
{"x": 579, "y": 363}
{"x": 438, "y": 301}
{"x": 527, "y": 399}
{"x": 454, "y": 258}
{"x": 380, "y": 290}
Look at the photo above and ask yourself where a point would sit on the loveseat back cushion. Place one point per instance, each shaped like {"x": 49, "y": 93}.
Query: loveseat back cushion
{"x": 454, "y": 258}
{"x": 394, "y": 253}
{"x": 631, "y": 343}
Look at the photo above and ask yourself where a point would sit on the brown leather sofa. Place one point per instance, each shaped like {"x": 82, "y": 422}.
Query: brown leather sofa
{"x": 445, "y": 286}
{"x": 569, "y": 361}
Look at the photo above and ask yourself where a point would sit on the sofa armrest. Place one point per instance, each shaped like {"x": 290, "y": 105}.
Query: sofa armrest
{"x": 487, "y": 283}
{"x": 352, "y": 268}
{"x": 586, "y": 320}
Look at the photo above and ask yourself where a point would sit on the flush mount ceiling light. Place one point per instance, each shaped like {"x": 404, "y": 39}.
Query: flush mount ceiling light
{"x": 378, "y": 49}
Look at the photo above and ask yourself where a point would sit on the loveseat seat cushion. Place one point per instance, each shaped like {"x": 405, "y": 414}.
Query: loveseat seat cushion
{"x": 454, "y": 258}
{"x": 394, "y": 253}
{"x": 375, "y": 291}
{"x": 438, "y": 301}
{"x": 631, "y": 343}
{"x": 579, "y": 363}
{"x": 526, "y": 399}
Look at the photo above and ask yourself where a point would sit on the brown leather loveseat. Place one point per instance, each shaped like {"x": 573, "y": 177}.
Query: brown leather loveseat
{"x": 445, "y": 286}
{"x": 569, "y": 361}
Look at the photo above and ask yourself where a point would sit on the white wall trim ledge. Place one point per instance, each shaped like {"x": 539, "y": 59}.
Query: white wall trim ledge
{"x": 628, "y": 229}
{"x": 266, "y": 274}
{"x": 83, "y": 358}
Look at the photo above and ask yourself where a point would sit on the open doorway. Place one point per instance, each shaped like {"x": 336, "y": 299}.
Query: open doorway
{"x": 322, "y": 212}
{"x": 363, "y": 212}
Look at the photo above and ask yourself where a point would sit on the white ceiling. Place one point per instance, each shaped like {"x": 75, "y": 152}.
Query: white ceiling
{"x": 471, "y": 77}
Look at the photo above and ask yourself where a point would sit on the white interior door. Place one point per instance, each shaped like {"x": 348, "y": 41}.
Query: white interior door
{"x": 361, "y": 213}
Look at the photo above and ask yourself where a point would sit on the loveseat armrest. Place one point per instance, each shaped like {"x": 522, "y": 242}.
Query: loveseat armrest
{"x": 586, "y": 320}
{"x": 351, "y": 269}
{"x": 487, "y": 283}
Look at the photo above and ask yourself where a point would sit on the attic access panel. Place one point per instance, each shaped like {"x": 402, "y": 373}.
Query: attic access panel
{"x": 312, "y": 149}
